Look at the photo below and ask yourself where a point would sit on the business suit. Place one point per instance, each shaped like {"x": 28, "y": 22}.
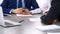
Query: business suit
{"x": 7, "y": 5}
{"x": 53, "y": 13}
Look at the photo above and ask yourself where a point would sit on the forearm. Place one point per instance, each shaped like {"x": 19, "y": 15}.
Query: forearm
{"x": 6, "y": 10}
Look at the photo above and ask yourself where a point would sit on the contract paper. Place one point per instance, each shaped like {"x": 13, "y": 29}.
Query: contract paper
{"x": 47, "y": 27}
{"x": 23, "y": 15}
{"x": 34, "y": 19}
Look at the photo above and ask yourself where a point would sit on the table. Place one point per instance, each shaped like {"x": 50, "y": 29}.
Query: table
{"x": 54, "y": 28}
{"x": 27, "y": 27}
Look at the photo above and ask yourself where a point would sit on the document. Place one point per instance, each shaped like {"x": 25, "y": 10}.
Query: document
{"x": 13, "y": 22}
{"x": 34, "y": 19}
{"x": 47, "y": 27}
{"x": 23, "y": 15}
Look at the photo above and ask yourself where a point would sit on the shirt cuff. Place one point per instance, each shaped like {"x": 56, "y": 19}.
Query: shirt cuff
{"x": 11, "y": 10}
{"x": 36, "y": 10}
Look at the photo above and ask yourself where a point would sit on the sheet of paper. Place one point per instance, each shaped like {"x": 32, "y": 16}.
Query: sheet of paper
{"x": 22, "y": 15}
{"x": 34, "y": 19}
{"x": 12, "y": 22}
{"x": 47, "y": 27}
{"x": 53, "y": 32}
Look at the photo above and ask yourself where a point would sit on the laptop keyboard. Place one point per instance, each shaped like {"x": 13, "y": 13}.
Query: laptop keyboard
{"x": 9, "y": 23}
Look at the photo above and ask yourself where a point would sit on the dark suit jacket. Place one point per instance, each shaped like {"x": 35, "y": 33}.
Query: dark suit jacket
{"x": 54, "y": 11}
{"x": 7, "y": 5}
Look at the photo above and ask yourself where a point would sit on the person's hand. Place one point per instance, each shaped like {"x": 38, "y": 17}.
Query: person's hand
{"x": 26, "y": 12}
{"x": 45, "y": 13}
{"x": 18, "y": 11}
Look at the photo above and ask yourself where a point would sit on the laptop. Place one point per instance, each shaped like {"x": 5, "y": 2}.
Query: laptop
{"x": 6, "y": 22}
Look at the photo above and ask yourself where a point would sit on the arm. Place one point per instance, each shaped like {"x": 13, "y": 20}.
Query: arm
{"x": 33, "y": 4}
{"x": 5, "y": 6}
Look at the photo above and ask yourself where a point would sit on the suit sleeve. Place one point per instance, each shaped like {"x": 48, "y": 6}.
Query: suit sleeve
{"x": 5, "y": 6}
{"x": 34, "y": 4}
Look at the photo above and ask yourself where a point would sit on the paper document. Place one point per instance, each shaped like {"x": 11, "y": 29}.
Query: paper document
{"x": 34, "y": 19}
{"x": 47, "y": 27}
{"x": 22, "y": 15}
{"x": 12, "y": 22}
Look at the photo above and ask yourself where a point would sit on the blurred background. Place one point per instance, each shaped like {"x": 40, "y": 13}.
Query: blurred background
{"x": 43, "y": 4}
{"x": 1, "y": 1}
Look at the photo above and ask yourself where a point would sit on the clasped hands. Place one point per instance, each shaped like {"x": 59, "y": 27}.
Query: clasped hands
{"x": 21, "y": 11}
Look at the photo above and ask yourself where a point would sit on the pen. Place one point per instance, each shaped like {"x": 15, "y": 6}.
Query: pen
{"x": 20, "y": 21}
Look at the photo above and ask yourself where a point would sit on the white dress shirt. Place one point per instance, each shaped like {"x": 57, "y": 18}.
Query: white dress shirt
{"x": 23, "y": 4}
{"x": 44, "y": 4}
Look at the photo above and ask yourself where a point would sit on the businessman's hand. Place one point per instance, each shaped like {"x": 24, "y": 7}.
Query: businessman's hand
{"x": 18, "y": 11}
{"x": 26, "y": 12}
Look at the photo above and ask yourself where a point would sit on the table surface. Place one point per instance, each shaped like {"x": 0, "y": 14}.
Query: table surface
{"x": 27, "y": 27}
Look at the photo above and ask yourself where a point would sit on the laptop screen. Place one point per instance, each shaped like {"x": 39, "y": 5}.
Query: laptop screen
{"x": 1, "y": 17}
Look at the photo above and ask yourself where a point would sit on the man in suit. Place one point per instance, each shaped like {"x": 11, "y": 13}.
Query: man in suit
{"x": 15, "y": 6}
{"x": 53, "y": 14}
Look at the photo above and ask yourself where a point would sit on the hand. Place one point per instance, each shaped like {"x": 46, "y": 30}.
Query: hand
{"x": 45, "y": 13}
{"x": 26, "y": 12}
{"x": 18, "y": 11}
